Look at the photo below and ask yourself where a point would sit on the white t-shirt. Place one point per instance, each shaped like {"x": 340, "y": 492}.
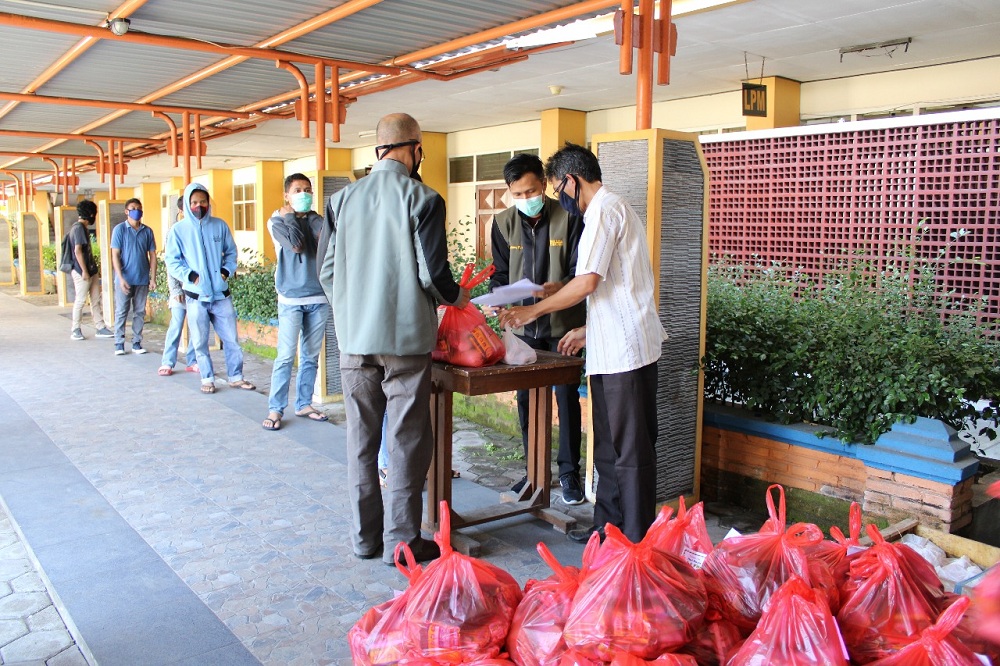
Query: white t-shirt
{"x": 623, "y": 329}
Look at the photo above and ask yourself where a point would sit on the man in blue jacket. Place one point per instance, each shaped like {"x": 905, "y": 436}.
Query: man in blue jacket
{"x": 201, "y": 254}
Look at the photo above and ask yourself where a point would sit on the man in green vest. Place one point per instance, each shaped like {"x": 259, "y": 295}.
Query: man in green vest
{"x": 537, "y": 239}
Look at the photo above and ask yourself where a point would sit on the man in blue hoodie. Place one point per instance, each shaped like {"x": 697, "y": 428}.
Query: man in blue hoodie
{"x": 201, "y": 254}
{"x": 302, "y": 307}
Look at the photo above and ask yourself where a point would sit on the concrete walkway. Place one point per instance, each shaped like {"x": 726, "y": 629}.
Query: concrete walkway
{"x": 169, "y": 528}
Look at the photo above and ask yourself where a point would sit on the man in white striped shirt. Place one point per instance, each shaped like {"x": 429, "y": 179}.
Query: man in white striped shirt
{"x": 623, "y": 336}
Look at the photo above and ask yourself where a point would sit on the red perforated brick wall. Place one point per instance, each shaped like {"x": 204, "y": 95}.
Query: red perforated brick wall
{"x": 812, "y": 200}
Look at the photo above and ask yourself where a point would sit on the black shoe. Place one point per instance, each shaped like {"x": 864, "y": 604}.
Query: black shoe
{"x": 370, "y": 556}
{"x": 583, "y": 535}
{"x": 517, "y": 487}
{"x": 422, "y": 549}
{"x": 572, "y": 491}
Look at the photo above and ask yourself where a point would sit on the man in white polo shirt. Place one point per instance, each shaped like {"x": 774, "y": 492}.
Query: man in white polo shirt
{"x": 623, "y": 336}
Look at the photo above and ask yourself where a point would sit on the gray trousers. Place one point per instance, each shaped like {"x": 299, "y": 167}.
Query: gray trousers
{"x": 399, "y": 386}
{"x": 134, "y": 301}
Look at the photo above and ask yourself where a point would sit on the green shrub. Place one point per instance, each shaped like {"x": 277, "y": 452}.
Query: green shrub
{"x": 858, "y": 353}
{"x": 49, "y": 257}
{"x": 252, "y": 288}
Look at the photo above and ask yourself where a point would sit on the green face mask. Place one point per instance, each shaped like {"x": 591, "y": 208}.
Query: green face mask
{"x": 300, "y": 201}
{"x": 530, "y": 207}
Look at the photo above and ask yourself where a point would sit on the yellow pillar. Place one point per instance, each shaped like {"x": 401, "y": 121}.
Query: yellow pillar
{"x": 219, "y": 183}
{"x": 125, "y": 193}
{"x": 269, "y": 190}
{"x": 338, "y": 159}
{"x": 40, "y": 207}
{"x": 560, "y": 126}
{"x": 434, "y": 169}
{"x": 152, "y": 217}
{"x": 782, "y": 105}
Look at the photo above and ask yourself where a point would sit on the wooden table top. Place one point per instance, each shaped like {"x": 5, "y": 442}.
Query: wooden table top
{"x": 551, "y": 369}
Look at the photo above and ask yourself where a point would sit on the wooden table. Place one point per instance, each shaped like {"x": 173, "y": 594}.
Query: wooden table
{"x": 551, "y": 369}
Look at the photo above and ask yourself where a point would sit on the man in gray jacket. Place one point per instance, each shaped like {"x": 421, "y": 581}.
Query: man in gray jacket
{"x": 384, "y": 271}
{"x": 302, "y": 307}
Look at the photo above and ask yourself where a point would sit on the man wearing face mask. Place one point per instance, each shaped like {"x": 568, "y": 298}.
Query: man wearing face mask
{"x": 384, "y": 271}
{"x": 302, "y": 306}
{"x": 202, "y": 255}
{"x": 133, "y": 254}
{"x": 537, "y": 239}
{"x": 624, "y": 339}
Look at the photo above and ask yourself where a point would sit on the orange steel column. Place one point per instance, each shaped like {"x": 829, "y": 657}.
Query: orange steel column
{"x": 644, "y": 73}
{"x": 321, "y": 115}
{"x": 303, "y": 93}
{"x": 197, "y": 138}
{"x": 186, "y": 146}
{"x": 335, "y": 98}
{"x": 112, "y": 187}
{"x": 100, "y": 158}
{"x": 173, "y": 132}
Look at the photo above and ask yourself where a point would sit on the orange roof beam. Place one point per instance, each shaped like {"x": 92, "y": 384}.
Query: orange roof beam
{"x": 76, "y": 137}
{"x": 124, "y": 106}
{"x": 165, "y": 41}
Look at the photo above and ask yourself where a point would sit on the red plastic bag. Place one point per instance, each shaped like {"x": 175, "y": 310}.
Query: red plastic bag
{"x": 936, "y": 646}
{"x": 889, "y": 598}
{"x": 379, "y": 637}
{"x": 636, "y": 599}
{"x": 459, "y": 609}
{"x": 464, "y": 338}
{"x": 743, "y": 572}
{"x": 685, "y": 535}
{"x": 796, "y": 629}
{"x": 668, "y": 659}
{"x": 987, "y": 607}
{"x": 833, "y": 555}
{"x": 715, "y": 641}
{"x": 536, "y": 632}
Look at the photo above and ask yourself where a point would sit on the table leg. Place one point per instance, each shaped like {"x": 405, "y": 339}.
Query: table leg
{"x": 540, "y": 441}
{"x": 439, "y": 475}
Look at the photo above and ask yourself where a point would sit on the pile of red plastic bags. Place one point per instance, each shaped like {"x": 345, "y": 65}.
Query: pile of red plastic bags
{"x": 784, "y": 596}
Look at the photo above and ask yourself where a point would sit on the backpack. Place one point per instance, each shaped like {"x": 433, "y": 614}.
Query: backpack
{"x": 66, "y": 255}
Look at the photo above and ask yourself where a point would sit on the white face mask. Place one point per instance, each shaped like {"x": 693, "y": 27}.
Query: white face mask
{"x": 300, "y": 201}
{"x": 530, "y": 207}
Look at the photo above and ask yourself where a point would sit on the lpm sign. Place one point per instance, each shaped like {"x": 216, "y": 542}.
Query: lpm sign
{"x": 754, "y": 99}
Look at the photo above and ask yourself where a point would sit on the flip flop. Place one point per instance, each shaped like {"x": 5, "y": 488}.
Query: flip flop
{"x": 208, "y": 388}
{"x": 271, "y": 424}
{"x": 313, "y": 415}
{"x": 242, "y": 384}
{"x": 165, "y": 371}
{"x": 192, "y": 368}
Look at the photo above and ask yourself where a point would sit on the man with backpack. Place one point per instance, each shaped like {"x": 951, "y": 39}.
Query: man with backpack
{"x": 86, "y": 276}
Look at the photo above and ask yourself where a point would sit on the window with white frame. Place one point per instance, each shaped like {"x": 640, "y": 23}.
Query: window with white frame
{"x": 244, "y": 207}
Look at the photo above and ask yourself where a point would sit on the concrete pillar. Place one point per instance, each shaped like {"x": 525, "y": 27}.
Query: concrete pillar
{"x": 338, "y": 159}
{"x": 783, "y": 97}
{"x": 149, "y": 195}
{"x": 560, "y": 126}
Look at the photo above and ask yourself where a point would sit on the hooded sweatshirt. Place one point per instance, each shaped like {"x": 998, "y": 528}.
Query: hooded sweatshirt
{"x": 201, "y": 248}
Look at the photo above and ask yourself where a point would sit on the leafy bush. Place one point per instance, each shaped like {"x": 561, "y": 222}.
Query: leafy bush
{"x": 49, "y": 257}
{"x": 252, "y": 288}
{"x": 858, "y": 353}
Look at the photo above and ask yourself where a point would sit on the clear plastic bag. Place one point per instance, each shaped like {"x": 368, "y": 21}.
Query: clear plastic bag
{"x": 517, "y": 351}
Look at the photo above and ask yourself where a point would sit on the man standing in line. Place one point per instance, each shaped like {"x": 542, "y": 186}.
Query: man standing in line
{"x": 302, "y": 306}
{"x": 624, "y": 339}
{"x": 86, "y": 276}
{"x": 202, "y": 255}
{"x": 537, "y": 239}
{"x": 178, "y": 313}
{"x": 385, "y": 270}
{"x": 133, "y": 254}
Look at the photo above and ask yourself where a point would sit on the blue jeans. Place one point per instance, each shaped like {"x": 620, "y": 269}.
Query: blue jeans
{"x": 222, "y": 316}
{"x": 134, "y": 300}
{"x": 297, "y": 324}
{"x": 173, "y": 339}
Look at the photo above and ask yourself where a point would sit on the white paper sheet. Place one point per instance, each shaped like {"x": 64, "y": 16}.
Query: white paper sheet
{"x": 512, "y": 293}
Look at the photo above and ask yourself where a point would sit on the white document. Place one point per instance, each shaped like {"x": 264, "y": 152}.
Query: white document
{"x": 512, "y": 293}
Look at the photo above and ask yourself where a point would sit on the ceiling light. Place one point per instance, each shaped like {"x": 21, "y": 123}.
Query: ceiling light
{"x": 888, "y": 48}
{"x": 119, "y": 26}
{"x": 366, "y": 134}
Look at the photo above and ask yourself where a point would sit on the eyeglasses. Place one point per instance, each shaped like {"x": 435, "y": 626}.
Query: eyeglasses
{"x": 562, "y": 185}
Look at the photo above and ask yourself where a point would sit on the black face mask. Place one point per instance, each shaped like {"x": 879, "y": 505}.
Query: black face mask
{"x": 571, "y": 204}
{"x": 383, "y": 150}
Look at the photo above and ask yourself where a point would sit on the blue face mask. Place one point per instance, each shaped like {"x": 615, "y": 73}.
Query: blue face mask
{"x": 570, "y": 204}
{"x": 135, "y": 214}
{"x": 531, "y": 207}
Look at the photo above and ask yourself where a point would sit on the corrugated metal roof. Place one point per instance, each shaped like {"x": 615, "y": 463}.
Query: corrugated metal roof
{"x": 138, "y": 123}
{"x": 126, "y": 72}
{"x": 50, "y": 118}
{"x": 19, "y": 144}
{"x": 25, "y": 54}
{"x": 246, "y": 83}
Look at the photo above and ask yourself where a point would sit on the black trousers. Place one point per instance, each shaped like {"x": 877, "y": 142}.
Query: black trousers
{"x": 568, "y": 403}
{"x": 625, "y": 431}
